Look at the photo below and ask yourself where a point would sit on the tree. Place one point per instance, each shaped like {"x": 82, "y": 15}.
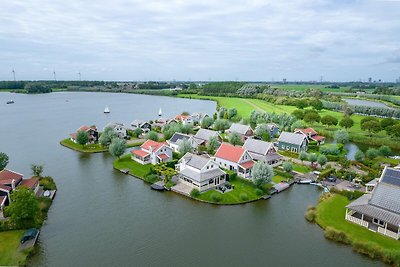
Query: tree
{"x": 221, "y": 125}
{"x": 287, "y": 166}
{"x": 185, "y": 113}
{"x": 206, "y": 122}
{"x": 359, "y": 156}
{"x": 329, "y": 120}
{"x": 342, "y": 136}
{"x": 221, "y": 113}
{"x": 303, "y": 156}
{"x": 212, "y": 145}
{"x": 82, "y": 138}
{"x": 254, "y": 115}
{"x": 261, "y": 129}
{"x": 3, "y": 160}
{"x": 215, "y": 116}
{"x": 311, "y": 117}
{"x": 322, "y": 159}
{"x": 297, "y": 125}
{"x": 185, "y": 147}
{"x": 347, "y": 111}
{"x": 312, "y": 157}
{"x": 232, "y": 112}
{"x": 37, "y": 170}
{"x": 298, "y": 113}
{"x": 152, "y": 136}
{"x": 262, "y": 173}
{"x": 235, "y": 139}
{"x": 385, "y": 151}
{"x": 24, "y": 206}
{"x": 316, "y": 104}
{"x": 117, "y": 147}
{"x": 301, "y": 104}
{"x": 346, "y": 122}
{"x": 371, "y": 126}
{"x": 372, "y": 153}
{"x": 107, "y": 136}
{"x": 387, "y": 122}
{"x": 138, "y": 132}
{"x": 394, "y": 130}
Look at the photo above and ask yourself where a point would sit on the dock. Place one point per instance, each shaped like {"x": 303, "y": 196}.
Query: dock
{"x": 30, "y": 243}
{"x": 265, "y": 197}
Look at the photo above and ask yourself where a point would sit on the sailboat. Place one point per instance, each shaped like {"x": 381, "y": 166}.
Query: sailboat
{"x": 106, "y": 110}
{"x": 160, "y": 113}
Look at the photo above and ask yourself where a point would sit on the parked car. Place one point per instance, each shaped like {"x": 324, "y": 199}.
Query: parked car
{"x": 332, "y": 179}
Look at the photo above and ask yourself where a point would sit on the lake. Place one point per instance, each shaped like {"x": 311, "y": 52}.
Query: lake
{"x": 362, "y": 102}
{"x": 101, "y": 217}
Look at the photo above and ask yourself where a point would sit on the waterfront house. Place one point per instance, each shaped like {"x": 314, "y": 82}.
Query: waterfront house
{"x": 234, "y": 158}
{"x": 92, "y": 132}
{"x": 203, "y": 136}
{"x": 184, "y": 119}
{"x": 273, "y": 129}
{"x": 9, "y": 180}
{"x": 32, "y": 184}
{"x": 119, "y": 129}
{"x": 144, "y": 125}
{"x": 263, "y": 151}
{"x": 245, "y": 131}
{"x": 379, "y": 211}
{"x": 175, "y": 141}
{"x": 200, "y": 172}
{"x": 198, "y": 117}
{"x": 152, "y": 152}
{"x": 311, "y": 135}
{"x": 292, "y": 142}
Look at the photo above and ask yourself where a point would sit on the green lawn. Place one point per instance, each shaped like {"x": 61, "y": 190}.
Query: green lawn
{"x": 301, "y": 168}
{"x": 9, "y": 243}
{"x": 331, "y": 212}
{"x": 90, "y": 148}
{"x": 235, "y": 196}
{"x": 135, "y": 168}
{"x": 277, "y": 179}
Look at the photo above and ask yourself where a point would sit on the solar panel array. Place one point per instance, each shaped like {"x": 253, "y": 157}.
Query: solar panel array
{"x": 391, "y": 176}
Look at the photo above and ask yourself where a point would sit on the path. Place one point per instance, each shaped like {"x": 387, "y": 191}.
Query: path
{"x": 253, "y": 105}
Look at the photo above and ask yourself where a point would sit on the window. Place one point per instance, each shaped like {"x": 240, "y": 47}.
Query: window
{"x": 211, "y": 181}
{"x": 208, "y": 167}
{"x": 378, "y": 222}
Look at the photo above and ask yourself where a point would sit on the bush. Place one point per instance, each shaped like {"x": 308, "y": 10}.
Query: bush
{"x": 151, "y": 178}
{"x": 232, "y": 177}
{"x": 350, "y": 195}
{"x": 216, "y": 197}
{"x": 310, "y": 214}
{"x": 194, "y": 193}
{"x": 244, "y": 197}
{"x": 329, "y": 150}
{"x": 47, "y": 183}
{"x": 335, "y": 235}
{"x": 324, "y": 174}
{"x": 259, "y": 192}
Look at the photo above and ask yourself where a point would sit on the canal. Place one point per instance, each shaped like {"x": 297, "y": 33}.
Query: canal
{"x": 101, "y": 217}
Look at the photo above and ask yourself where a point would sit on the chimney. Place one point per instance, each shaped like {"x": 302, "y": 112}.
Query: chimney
{"x": 13, "y": 184}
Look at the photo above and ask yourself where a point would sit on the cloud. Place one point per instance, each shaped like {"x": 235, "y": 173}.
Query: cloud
{"x": 177, "y": 39}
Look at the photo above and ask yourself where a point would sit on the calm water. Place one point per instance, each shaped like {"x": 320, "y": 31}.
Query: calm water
{"x": 103, "y": 218}
{"x": 362, "y": 102}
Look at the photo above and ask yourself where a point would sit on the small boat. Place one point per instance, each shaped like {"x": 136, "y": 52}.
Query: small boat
{"x": 10, "y": 102}
{"x": 308, "y": 181}
{"x": 106, "y": 110}
{"x": 160, "y": 113}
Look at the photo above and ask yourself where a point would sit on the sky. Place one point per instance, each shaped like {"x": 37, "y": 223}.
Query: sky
{"x": 256, "y": 40}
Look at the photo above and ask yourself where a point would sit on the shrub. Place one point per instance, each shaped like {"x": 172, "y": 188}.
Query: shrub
{"x": 324, "y": 174}
{"x": 335, "y": 235}
{"x": 232, "y": 177}
{"x": 259, "y": 192}
{"x": 244, "y": 197}
{"x": 194, "y": 193}
{"x": 151, "y": 178}
{"x": 216, "y": 197}
{"x": 47, "y": 183}
{"x": 311, "y": 214}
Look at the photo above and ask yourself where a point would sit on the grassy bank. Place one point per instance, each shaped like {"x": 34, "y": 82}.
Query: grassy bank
{"x": 89, "y": 148}
{"x": 135, "y": 168}
{"x": 330, "y": 215}
{"x": 9, "y": 253}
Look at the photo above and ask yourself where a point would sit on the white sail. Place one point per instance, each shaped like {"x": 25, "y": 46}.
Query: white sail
{"x": 159, "y": 112}
{"x": 106, "y": 110}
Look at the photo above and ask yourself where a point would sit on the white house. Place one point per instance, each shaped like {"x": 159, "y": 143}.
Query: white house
{"x": 185, "y": 119}
{"x": 234, "y": 158}
{"x": 152, "y": 152}
{"x": 175, "y": 141}
{"x": 200, "y": 172}
{"x": 263, "y": 151}
{"x": 203, "y": 136}
{"x": 119, "y": 128}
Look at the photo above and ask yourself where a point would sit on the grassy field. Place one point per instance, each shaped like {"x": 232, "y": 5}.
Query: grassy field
{"x": 244, "y": 192}
{"x": 9, "y": 243}
{"x": 277, "y": 179}
{"x": 331, "y": 212}
{"x": 135, "y": 168}
{"x": 301, "y": 168}
{"x": 90, "y": 148}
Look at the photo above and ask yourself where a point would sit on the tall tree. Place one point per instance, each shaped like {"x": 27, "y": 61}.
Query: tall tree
{"x": 206, "y": 122}
{"x": 235, "y": 139}
{"x": 185, "y": 147}
{"x": 152, "y": 136}
{"x": 3, "y": 160}
{"x": 346, "y": 122}
{"x": 312, "y": 117}
{"x": 107, "y": 136}
{"x": 262, "y": 173}
{"x": 359, "y": 156}
{"x": 312, "y": 157}
{"x": 24, "y": 206}
{"x": 303, "y": 156}
{"x": 329, "y": 120}
{"x": 117, "y": 147}
{"x": 37, "y": 170}
{"x": 322, "y": 160}
{"x": 287, "y": 166}
{"x": 212, "y": 145}
{"x": 342, "y": 136}
{"x": 82, "y": 138}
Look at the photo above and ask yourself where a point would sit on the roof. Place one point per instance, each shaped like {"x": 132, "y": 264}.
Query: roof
{"x": 291, "y": 138}
{"x": 150, "y": 144}
{"x": 30, "y": 183}
{"x": 230, "y": 152}
{"x": 114, "y": 124}
{"x": 139, "y": 153}
{"x": 201, "y": 176}
{"x": 163, "y": 156}
{"x": 272, "y": 125}
{"x": 205, "y": 134}
{"x": 6, "y": 176}
{"x": 239, "y": 128}
{"x": 5, "y": 187}
{"x": 318, "y": 138}
{"x": 86, "y": 128}
{"x": 266, "y": 158}
{"x": 248, "y": 164}
{"x": 195, "y": 161}
{"x": 177, "y": 137}
{"x": 372, "y": 182}
{"x": 182, "y": 117}
{"x": 306, "y": 131}
{"x": 257, "y": 146}
{"x": 390, "y": 176}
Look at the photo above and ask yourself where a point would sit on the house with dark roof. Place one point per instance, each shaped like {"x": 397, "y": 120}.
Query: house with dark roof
{"x": 203, "y": 136}
{"x": 262, "y": 151}
{"x": 152, "y": 152}
{"x": 244, "y": 130}
{"x": 379, "y": 211}
{"x": 292, "y": 142}
{"x": 311, "y": 135}
{"x": 144, "y": 125}
{"x": 200, "y": 172}
{"x": 92, "y": 132}
{"x": 234, "y": 158}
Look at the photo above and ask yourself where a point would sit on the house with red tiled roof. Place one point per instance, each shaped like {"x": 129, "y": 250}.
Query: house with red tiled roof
{"x": 92, "y": 132}
{"x": 152, "y": 152}
{"x": 9, "y": 180}
{"x": 32, "y": 184}
{"x": 185, "y": 119}
{"x": 311, "y": 135}
{"x": 234, "y": 158}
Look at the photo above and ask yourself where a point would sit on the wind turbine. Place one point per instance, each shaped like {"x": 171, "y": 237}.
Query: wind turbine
{"x": 13, "y": 72}
{"x": 55, "y": 77}
{"x": 79, "y": 74}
